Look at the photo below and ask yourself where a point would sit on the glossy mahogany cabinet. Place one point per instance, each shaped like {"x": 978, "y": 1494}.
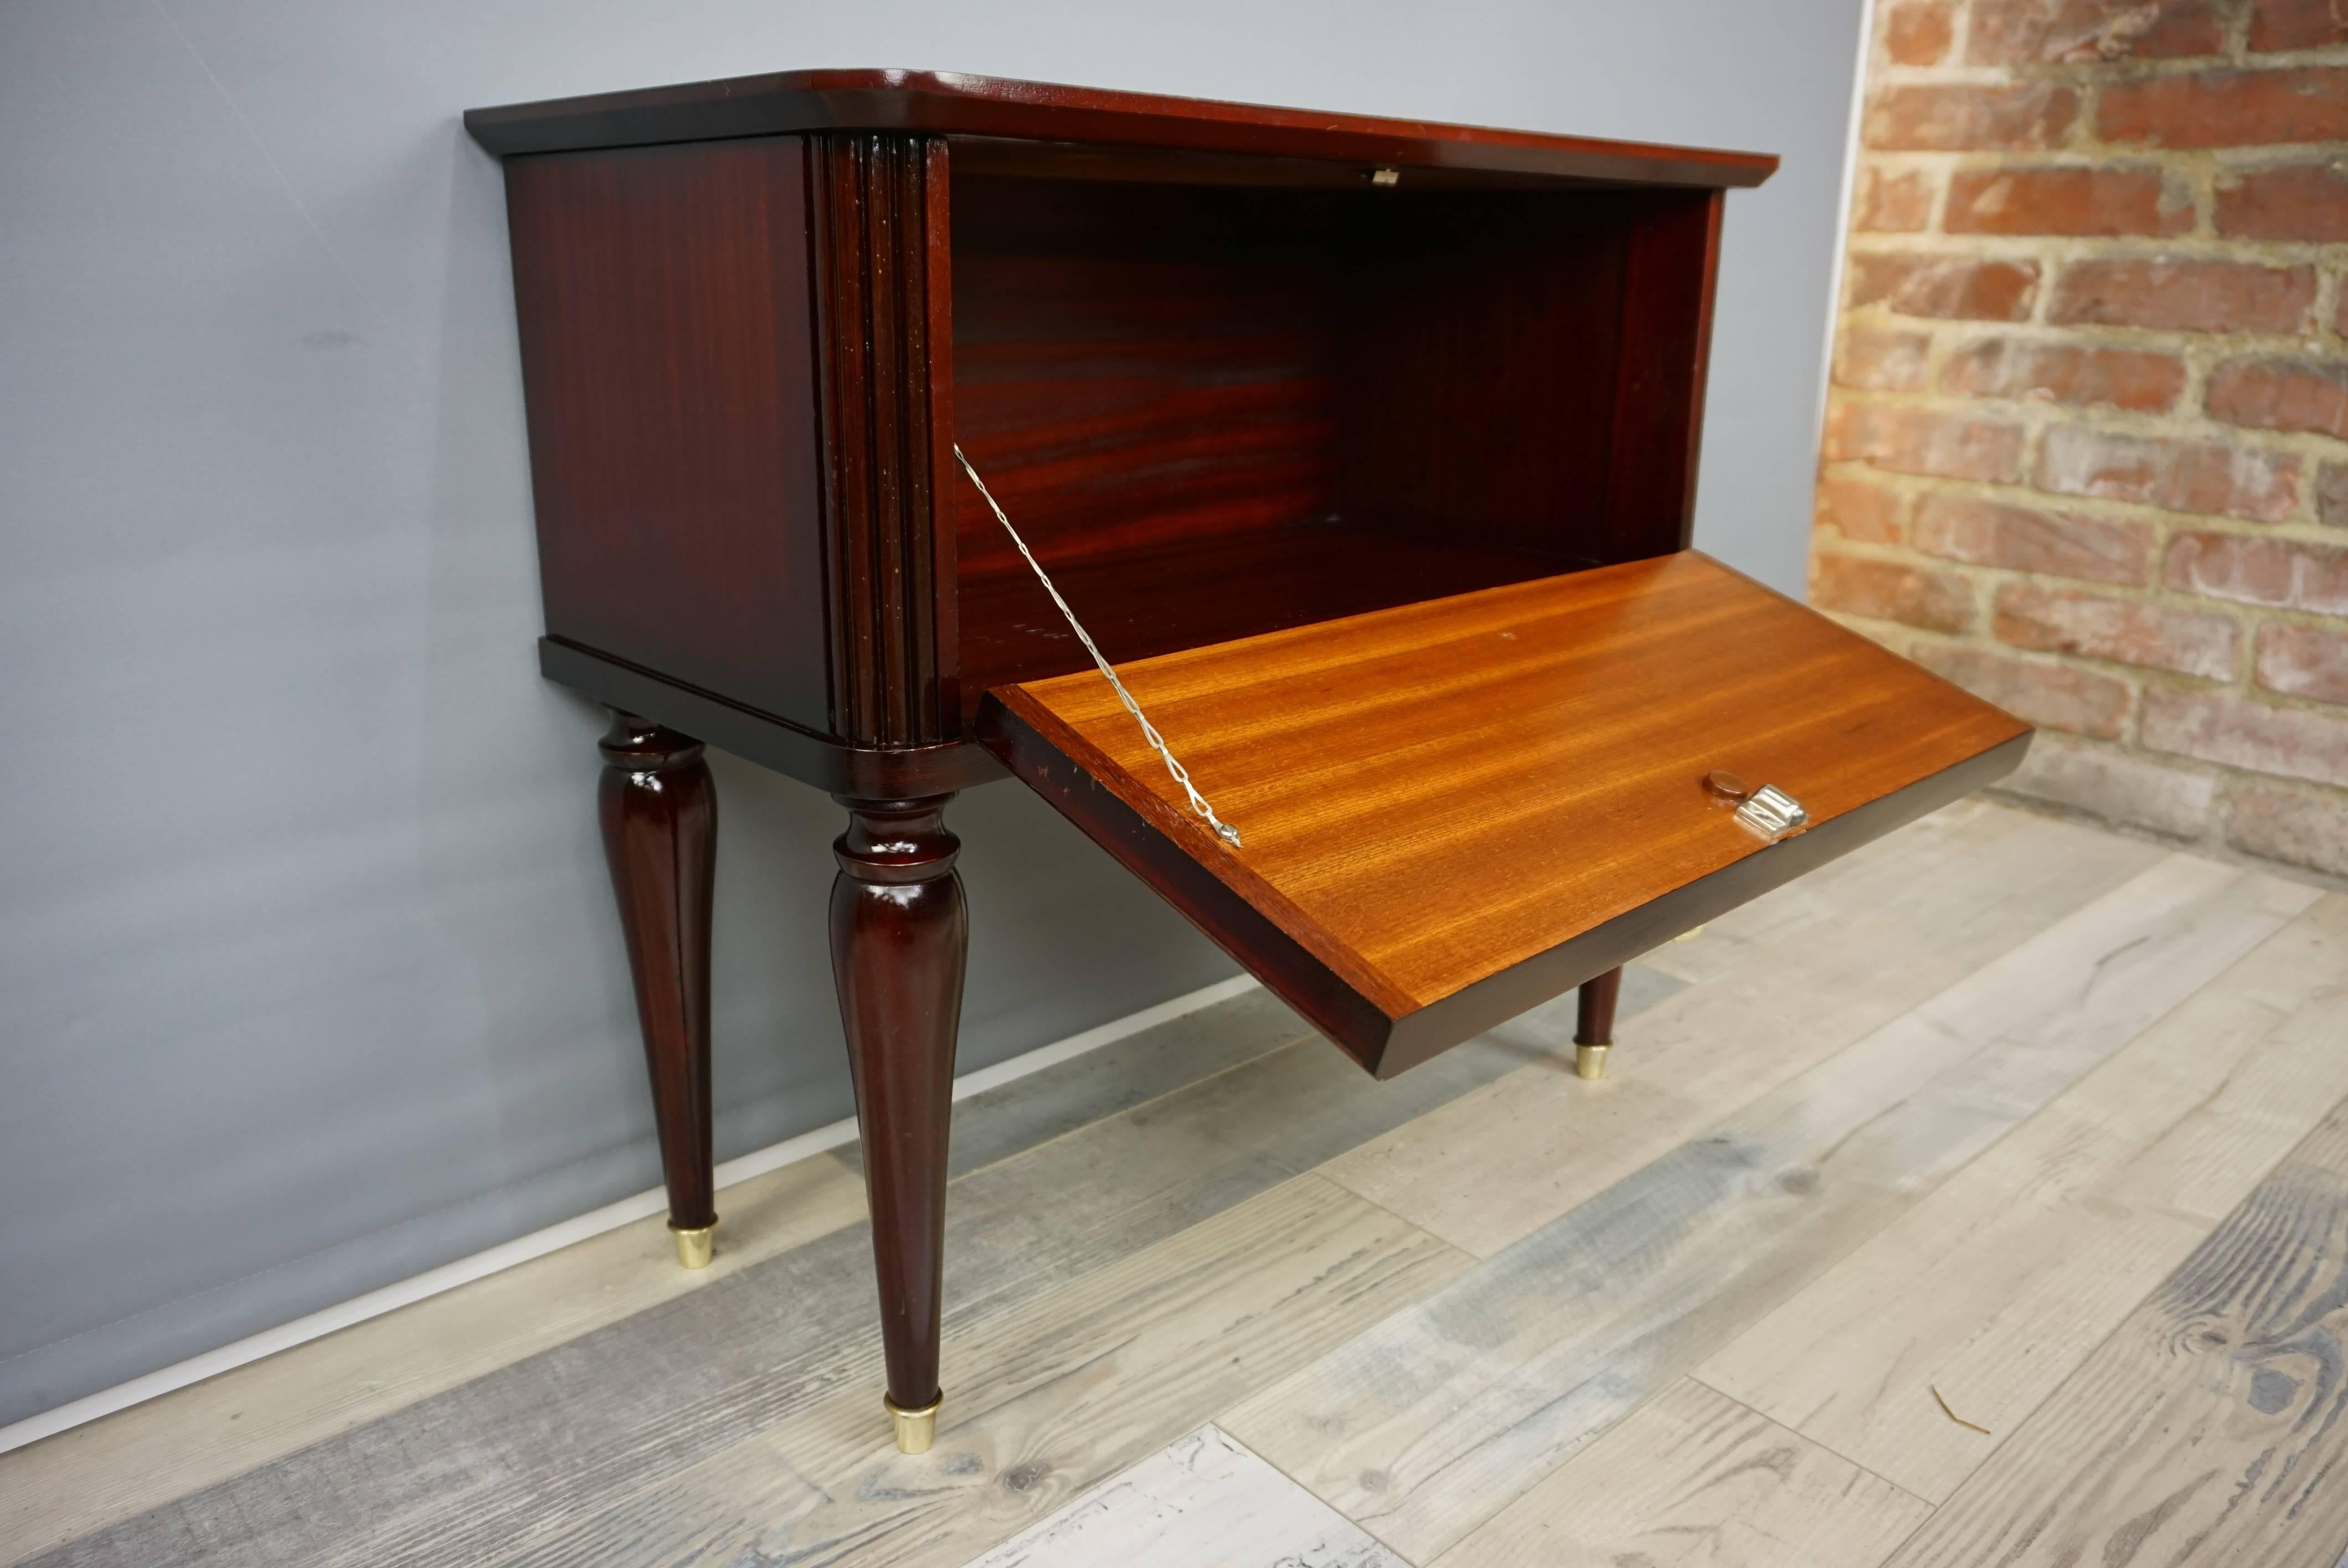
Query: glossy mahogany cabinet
{"x": 1366, "y": 451}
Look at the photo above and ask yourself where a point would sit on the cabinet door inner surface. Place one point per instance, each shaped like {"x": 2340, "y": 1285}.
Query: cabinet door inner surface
{"x": 1453, "y": 810}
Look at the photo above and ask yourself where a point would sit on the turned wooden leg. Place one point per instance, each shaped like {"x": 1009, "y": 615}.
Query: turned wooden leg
{"x": 898, "y": 939}
{"x": 1594, "y": 1034}
{"x": 660, "y": 836}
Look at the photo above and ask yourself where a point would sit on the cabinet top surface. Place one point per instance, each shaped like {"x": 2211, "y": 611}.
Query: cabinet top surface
{"x": 949, "y": 104}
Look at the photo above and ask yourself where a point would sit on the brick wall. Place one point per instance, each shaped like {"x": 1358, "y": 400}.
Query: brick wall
{"x": 2086, "y": 450}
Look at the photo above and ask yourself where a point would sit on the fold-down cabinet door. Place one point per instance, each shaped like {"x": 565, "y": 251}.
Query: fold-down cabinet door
{"x": 1453, "y": 810}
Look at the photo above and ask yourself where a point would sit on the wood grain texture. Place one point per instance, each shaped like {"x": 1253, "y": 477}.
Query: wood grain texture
{"x": 1203, "y": 1499}
{"x": 1045, "y": 112}
{"x": 2211, "y": 1427}
{"x": 1363, "y": 759}
{"x": 662, "y": 300}
{"x": 882, "y": 290}
{"x": 1997, "y": 1286}
{"x": 1671, "y": 261}
{"x": 1442, "y": 1415}
{"x": 1163, "y": 595}
{"x": 658, "y": 808}
{"x": 1048, "y": 1400}
{"x": 1216, "y": 412}
{"x": 1788, "y": 981}
{"x": 900, "y": 945}
{"x": 1695, "y": 1477}
{"x": 806, "y": 754}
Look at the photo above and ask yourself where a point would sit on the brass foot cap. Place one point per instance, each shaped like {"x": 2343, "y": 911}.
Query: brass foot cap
{"x": 1590, "y": 1060}
{"x": 915, "y": 1428}
{"x": 696, "y": 1247}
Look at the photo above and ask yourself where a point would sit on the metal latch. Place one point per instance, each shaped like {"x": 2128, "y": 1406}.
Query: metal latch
{"x": 1767, "y": 811}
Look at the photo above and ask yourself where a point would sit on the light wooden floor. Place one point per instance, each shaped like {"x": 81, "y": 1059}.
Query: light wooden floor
{"x": 1981, "y": 1199}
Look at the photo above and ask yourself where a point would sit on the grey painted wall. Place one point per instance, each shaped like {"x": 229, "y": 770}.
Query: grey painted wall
{"x": 311, "y": 979}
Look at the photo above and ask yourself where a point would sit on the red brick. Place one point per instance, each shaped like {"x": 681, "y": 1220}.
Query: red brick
{"x": 2026, "y": 538}
{"x": 2280, "y": 395}
{"x": 2020, "y": 32}
{"x": 2303, "y": 662}
{"x": 1917, "y": 31}
{"x": 2065, "y": 373}
{"x": 2099, "y": 201}
{"x": 2305, "y": 830}
{"x": 1881, "y": 361}
{"x": 1894, "y": 203}
{"x": 1888, "y": 591}
{"x": 1960, "y": 118}
{"x": 1924, "y": 441}
{"x": 2293, "y": 202}
{"x": 2281, "y": 574}
{"x": 2124, "y": 630}
{"x": 2331, "y": 494}
{"x": 2185, "y": 296}
{"x": 1859, "y": 509}
{"x": 2179, "y": 475}
{"x": 2049, "y": 695}
{"x": 2278, "y": 24}
{"x": 2115, "y": 785}
{"x": 2228, "y": 108}
{"x": 2245, "y": 734}
{"x": 1957, "y": 287}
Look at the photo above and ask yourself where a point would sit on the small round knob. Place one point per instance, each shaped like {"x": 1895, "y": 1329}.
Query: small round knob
{"x": 1727, "y": 786}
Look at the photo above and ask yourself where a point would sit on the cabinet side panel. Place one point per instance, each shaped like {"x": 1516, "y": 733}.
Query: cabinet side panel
{"x": 1674, "y": 253}
{"x": 663, "y": 297}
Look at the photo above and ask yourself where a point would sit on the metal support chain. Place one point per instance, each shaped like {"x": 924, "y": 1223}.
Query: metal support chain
{"x": 1224, "y": 830}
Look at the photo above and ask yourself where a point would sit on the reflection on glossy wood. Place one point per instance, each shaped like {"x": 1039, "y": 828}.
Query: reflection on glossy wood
{"x": 876, "y": 224}
{"x": 659, "y": 813}
{"x": 1480, "y": 760}
{"x": 899, "y": 936}
{"x": 662, "y": 295}
{"x": 1135, "y": 125}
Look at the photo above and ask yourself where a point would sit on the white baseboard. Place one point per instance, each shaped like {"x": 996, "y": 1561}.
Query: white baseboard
{"x": 538, "y": 1243}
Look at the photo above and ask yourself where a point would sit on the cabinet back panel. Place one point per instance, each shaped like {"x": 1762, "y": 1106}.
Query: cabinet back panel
{"x": 1137, "y": 364}
{"x": 1222, "y": 409}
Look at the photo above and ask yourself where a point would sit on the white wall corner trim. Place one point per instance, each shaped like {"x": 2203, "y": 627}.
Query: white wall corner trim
{"x": 1843, "y": 214}
{"x": 538, "y": 1243}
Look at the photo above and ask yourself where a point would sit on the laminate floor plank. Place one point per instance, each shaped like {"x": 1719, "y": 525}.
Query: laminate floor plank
{"x": 123, "y": 1465}
{"x": 1014, "y": 1117}
{"x": 1224, "y": 1222}
{"x": 1048, "y": 1400}
{"x": 1435, "y": 1419}
{"x": 1202, "y": 1499}
{"x": 1496, "y": 1164}
{"x": 1994, "y": 1288}
{"x": 140, "y": 1458}
{"x": 647, "y": 1395}
{"x": 2212, "y": 1426}
{"x": 1692, "y": 1477}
